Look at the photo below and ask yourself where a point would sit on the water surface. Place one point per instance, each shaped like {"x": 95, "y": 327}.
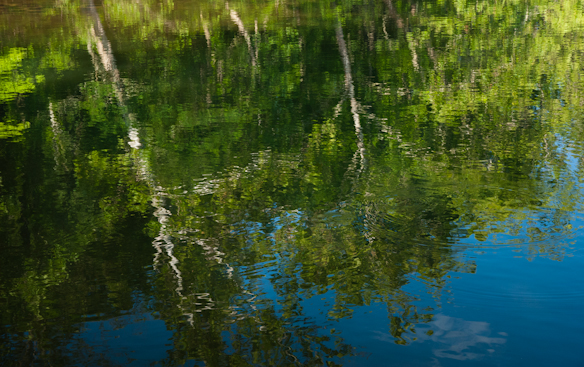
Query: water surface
{"x": 291, "y": 183}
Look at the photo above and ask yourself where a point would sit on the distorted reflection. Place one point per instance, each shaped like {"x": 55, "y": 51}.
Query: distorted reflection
{"x": 457, "y": 338}
{"x": 454, "y": 338}
{"x": 242, "y": 179}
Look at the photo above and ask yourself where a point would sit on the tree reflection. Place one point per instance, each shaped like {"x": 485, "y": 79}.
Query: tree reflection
{"x": 221, "y": 164}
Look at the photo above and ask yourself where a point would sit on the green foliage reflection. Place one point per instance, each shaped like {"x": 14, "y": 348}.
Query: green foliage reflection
{"x": 216, "y": 164}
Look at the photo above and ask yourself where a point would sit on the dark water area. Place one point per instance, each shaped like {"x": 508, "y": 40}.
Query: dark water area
{"x": 291, "y": 183}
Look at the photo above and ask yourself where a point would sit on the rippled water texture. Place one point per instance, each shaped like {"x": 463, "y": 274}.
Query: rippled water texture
{"x": 291, "y": 183}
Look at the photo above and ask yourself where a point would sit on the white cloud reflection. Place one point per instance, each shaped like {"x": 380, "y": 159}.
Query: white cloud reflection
{"x": 455, "y": 337}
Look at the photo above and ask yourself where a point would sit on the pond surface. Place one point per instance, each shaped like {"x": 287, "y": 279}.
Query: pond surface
{"x": 291, "y": 183}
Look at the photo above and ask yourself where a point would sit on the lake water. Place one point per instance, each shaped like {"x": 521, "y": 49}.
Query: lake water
{"x": 291, "y": 183}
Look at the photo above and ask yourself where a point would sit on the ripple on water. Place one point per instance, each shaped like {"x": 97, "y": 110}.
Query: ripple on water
{"x": 496, "y": 295}
{"x": 517, "y": 284}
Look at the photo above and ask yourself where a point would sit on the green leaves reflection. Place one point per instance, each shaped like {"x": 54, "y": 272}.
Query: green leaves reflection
{"x": 258, "y": 155}
{"x": 12, "y": 82}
